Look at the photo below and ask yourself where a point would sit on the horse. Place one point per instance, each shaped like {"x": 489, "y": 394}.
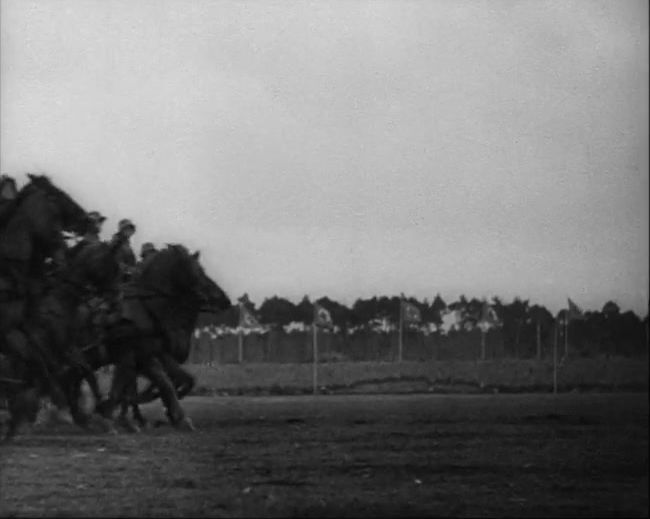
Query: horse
{"x": 53, "y": 326}
{"x": 160, "y": 310}
{"x": 61, "y": 312}
{"x": 31, "y": 231}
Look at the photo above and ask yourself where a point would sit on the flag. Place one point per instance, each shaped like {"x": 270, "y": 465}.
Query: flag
{"x": 488, "y": 315}
{"x": 246, "y": 318}
{"x": 322, "y": 317}
{"x": 574, "y": 312}
{"x": 410, "y": 312}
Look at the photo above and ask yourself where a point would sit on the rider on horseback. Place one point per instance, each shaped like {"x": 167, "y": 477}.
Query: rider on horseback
{"x": 147, "y": 252}
{"x": 127, "y": 262}
{"x": 8, "y": 195}
{"x": 126, "y": 256}
{"x": 8, "y": 190}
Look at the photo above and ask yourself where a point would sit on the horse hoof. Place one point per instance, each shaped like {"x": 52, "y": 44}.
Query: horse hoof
{"x": 128, "y": 424}
{"x": 108, "y": 427}
{"x": 61, "y": 416}
{"x": 131, "y": 427}
{"x": 186, "y": 424}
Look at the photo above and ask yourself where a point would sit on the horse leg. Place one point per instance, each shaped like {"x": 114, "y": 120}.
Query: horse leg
{"x": 44, "y": 361}
{"x": 183, "y": 381}
{"x": 128, "y": 398}
{"x": 137, "y": 414}
{"x": 132, "y": 401}
{"x": 89, "y": 376}
{"x": 123, "y": 376}
{"x": 73, "y": 392}
{"x": 155, "y": 371}
{"x": 123, "y": 372}
{"x": 23, "y": 402}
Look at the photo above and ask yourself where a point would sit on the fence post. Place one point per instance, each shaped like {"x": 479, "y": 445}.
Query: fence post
{"x": 483, "y": 334}
{"x": 555, "y": 331}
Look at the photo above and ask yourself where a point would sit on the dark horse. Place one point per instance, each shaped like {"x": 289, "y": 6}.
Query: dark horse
{"x": 32, "y": 225}
{"x": 151, "y": 338}
{"x": 58, "y": 320}
{"x": 31, "y": 232}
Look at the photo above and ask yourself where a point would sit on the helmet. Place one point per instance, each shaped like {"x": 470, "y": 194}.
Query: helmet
{"x": 146, "y": 248}
{"x": 124, "y": 224}
{"x": 8, "y": 188}
{"x": 96, "y": 217}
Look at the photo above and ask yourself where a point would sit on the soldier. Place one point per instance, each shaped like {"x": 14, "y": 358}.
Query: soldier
{"x": 8, "y": 190}
{"x": 96, "y": 221}
{"x": 147, "y": 250}
{"x": 8, "y": 194}
{"x": 126, "y": 256}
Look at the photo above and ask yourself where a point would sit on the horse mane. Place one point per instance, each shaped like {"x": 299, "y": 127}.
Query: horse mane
{"x": 172, "y": 253}
{"x": 44, "y": 182}
{"x": 11, "y": 206}
{"x": 35, "y": 182}
{"x": 38, "y": 182}
{"x": 177, "y": 248}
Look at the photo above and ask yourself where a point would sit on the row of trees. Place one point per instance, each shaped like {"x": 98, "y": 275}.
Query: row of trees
{"x": 522, "y": 325}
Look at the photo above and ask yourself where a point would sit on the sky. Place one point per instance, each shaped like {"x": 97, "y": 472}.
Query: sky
{"x": 349, "y": 148}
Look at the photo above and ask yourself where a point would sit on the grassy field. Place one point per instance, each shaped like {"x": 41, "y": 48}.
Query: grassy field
{"x": 515, "y": 455}
{"x": 441, "y": 376}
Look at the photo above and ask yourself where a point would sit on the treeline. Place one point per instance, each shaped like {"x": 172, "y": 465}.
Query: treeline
{"x": 523, "y": 326}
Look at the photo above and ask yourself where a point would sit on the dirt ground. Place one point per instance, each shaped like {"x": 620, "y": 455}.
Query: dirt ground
{"x": 357, "y": 455}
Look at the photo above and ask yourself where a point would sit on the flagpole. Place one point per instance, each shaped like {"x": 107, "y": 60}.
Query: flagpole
{"x": 566, "y": 336}
{"x": 400, "y": 342}
{"x": 315, "y": 359}
{"x": 555, "y": 358}
{"x": 483, "y": 334}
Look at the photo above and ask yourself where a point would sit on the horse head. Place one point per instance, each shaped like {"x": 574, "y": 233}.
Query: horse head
{"x": 213, "y": 295}
{"x": 180, "y": 273}
{"x": 55, "y": 207}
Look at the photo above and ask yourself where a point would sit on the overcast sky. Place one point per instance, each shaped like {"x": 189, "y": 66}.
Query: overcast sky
{"x": 349, "y": 148}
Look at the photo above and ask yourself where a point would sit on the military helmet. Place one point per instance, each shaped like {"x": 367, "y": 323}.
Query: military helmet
{"x": 147, "y": 248}
{"x": 96, "y": 217}
{"x": 125, "y": 224}
{"x": 8, "y": 189}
